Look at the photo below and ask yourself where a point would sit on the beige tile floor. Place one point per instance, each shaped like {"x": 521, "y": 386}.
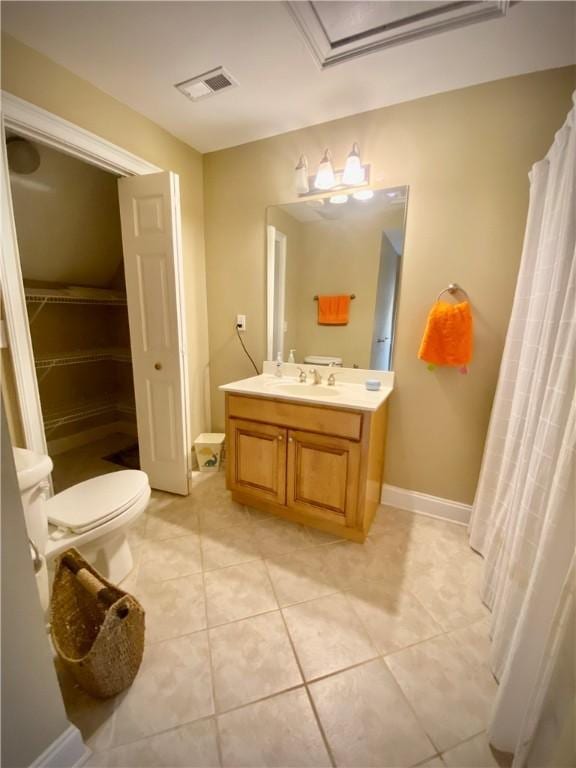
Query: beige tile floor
{"x": 269, "y": 644}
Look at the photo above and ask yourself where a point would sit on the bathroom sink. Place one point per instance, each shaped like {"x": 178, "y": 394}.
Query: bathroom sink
{"x": 306, "y": 390}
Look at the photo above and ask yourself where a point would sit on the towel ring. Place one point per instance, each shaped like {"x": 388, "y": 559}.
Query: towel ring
{"x": 452, "y": 289}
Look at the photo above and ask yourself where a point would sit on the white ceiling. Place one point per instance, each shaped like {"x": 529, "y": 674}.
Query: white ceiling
{"x": 137, "y": 51}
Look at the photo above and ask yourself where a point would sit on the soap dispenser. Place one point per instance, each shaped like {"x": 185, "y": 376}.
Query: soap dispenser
{"x": 278, "y": 371}
{"x": 291, "y": 358}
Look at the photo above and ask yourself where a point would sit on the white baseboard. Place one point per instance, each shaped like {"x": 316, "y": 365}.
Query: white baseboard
{"x": 68, "y": 751}
{"x": 79, "y": 439}
{"x": 423, "y": 504}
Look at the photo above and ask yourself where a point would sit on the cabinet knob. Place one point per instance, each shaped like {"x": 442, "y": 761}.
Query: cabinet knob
{"x": 290, "y": 439}
{"x": 158, "y": 366}
{"x": 280, "y": 437}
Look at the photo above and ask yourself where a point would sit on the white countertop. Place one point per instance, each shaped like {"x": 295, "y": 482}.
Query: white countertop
{"x": 348, "y": 392}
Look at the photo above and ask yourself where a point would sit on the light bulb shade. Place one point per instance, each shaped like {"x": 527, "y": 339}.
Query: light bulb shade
{"x": 325, "y": 178}
{"x": 363, "y": 194}
{"x": 301, "y": 171}
{"x": 339, "y": 199}
{"x": 354, "y": 173}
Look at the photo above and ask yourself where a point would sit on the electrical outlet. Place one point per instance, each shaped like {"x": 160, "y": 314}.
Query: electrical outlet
{"x": 241, "y": 322}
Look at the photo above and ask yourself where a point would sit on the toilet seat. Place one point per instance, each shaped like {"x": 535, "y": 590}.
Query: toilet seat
{"x": 94, "y": 502}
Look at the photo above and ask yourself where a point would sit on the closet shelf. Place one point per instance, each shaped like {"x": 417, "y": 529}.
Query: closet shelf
{"x": 83, "y": 356}
{"x": 74, "y": 294}
{"x": 86, "y": 410}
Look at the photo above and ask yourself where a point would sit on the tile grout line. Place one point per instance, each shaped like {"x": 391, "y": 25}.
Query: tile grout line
{"x": 299, "y": 665}
{"x": 211, "y": 665}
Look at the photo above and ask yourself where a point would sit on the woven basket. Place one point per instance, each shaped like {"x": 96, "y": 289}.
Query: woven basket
{"x": 97, "y": 629}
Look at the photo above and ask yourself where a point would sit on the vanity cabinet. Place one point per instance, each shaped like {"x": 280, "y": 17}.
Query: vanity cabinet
{"x": 312, "y": 464}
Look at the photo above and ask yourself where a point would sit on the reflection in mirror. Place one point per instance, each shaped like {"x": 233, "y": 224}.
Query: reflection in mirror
{"x": 320, "y": 252}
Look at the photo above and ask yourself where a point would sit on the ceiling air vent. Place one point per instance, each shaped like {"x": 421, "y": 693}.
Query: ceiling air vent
{"x": 207, "y": 84}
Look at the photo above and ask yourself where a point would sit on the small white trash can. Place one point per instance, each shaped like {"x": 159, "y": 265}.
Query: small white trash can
{"x": 208, "y": 447}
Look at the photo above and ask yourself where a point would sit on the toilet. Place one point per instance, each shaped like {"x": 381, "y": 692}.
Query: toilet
{"x": 92, "y": 516}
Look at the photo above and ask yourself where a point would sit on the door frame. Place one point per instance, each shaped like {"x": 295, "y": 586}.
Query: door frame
{"x": 274, "y": 236}
{"x": 38, "y": 124}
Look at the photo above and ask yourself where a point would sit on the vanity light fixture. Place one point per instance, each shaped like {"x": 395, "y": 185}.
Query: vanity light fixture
{"x": 325, "y": 178}
{"x": 302, "y": 186}
{"x": 363, "y": 194}
{"x": 339, "y": 199}
{"x": 354, "y": 173}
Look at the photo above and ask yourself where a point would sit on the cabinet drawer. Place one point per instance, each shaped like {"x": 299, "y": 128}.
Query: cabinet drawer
{"x": 328, "y": 421}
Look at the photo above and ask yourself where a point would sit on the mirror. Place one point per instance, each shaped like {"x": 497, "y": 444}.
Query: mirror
{"x": 320, "y": 252}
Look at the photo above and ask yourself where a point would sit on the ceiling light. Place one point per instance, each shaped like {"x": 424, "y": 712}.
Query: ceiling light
{"x": 339, "y": 199}
{"x": 354, "y": 173}
{"x": 363, "y": 194}
{"x": 392, "y": 194}
{"x": 302, "y": 186}
{"x": 325, "y": 177}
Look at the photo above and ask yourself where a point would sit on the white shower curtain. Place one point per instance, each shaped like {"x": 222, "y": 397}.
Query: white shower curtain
{"x": 523, "y": 516}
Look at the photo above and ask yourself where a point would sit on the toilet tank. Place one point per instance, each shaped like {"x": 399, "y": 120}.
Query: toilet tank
{"x": 322, "y": 360}
{"x": 33, "y": 470}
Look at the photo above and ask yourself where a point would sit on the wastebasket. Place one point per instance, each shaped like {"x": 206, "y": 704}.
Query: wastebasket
{"x": 209, "y": 446}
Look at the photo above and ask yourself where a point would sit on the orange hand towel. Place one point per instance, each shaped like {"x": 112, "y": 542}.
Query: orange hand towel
{"x": 448, "y": 339}
{"x": 333, "y": 310}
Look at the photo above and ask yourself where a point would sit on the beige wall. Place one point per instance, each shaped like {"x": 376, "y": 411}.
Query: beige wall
{"x": 465, "y": 156}
{"x": 67, "y": 221}
{"x": 37, "y": 79}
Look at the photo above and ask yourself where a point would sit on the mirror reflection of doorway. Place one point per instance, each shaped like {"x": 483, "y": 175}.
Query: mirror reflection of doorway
{"x": 384, "y": 313}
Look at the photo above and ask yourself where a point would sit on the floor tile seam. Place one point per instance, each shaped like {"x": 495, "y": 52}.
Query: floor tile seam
{"x": 211, "y": 669}
{"x": 420, "y": 720}
{"x": 397, "y": 650}
{"x": 233, "y": 565}
{"x": 296, "y": 550}
{"x": 143, "y": 581}
{"x": 416, "y": 715}
{"x": 242, "y": 618}
{"x": 132, "y": 742}
{"x": 286, "y": 553}
{"x": 158, "y": 539}
{"x": 427, "y": 759}
{"x": 301, "y": 671}
{"x": 399, "y": 689}
{"x": 465, "y": 741}
{"x": 260, "y": 700}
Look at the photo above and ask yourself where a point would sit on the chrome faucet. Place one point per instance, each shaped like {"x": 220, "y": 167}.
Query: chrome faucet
{"x": 301, "y": 375}
{"x": 317, "y": 378}
{"x": 331, "y": 379}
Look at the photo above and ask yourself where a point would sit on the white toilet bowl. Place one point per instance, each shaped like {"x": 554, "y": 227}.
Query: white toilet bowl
{"x": 92, "y": 516}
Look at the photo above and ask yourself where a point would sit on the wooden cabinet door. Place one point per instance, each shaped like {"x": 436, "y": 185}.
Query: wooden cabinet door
{"x": 323, "y": 476}
{"x": 257, "y": 460}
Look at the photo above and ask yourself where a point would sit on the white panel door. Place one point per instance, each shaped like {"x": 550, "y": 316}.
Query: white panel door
{"x": 150, "y": 216}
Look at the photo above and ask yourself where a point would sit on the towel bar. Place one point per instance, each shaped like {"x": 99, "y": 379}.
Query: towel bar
{"x": 352, "y": 296}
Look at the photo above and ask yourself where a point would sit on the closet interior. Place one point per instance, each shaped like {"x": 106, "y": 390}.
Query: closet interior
{"x": 72, "y": 266}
